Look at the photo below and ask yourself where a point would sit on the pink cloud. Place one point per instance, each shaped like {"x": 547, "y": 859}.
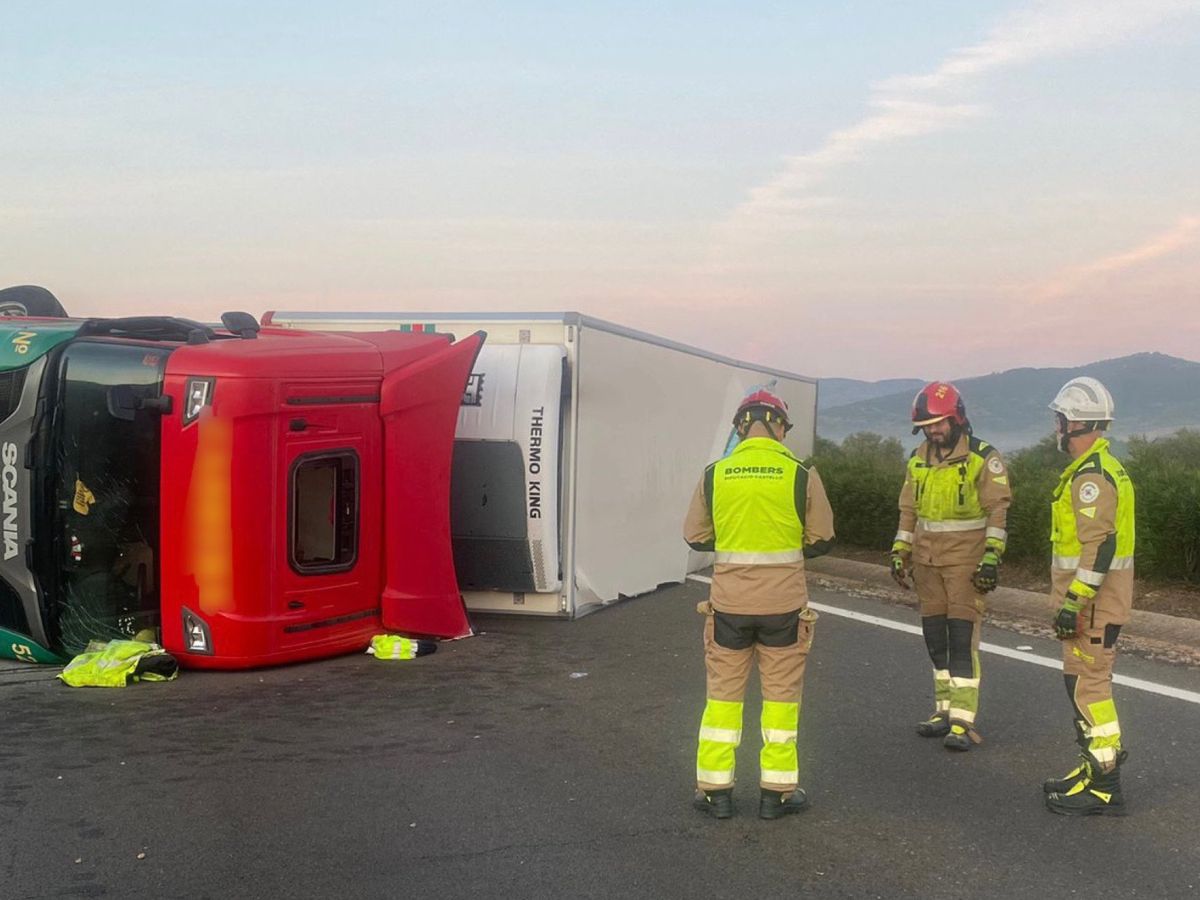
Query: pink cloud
{"x": 1071, "y": 281}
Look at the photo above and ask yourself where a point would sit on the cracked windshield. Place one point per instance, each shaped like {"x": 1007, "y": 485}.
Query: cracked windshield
{"x": 106, "y": 492}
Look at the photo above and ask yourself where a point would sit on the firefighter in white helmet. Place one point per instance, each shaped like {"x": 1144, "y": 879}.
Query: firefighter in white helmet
{"x": 763, "y": 511}
{"x": 1092, "y": 589}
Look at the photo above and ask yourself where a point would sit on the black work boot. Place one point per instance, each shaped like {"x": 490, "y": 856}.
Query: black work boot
{"x": 718, "y": 804}
{"x": 959, "y": 738}
{"x": 1079, "y": 773}
{"x": 775, "y": 805}
{"x": 1068, "y": 781}
{"x": 937, "y": 725}
{"x": 1097, "y": 794}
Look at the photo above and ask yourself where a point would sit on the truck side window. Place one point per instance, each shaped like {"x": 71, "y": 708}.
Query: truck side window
{"x": 323, "y": 513}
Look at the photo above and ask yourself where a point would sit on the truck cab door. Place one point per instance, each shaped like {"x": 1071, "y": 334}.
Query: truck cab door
{"x": 419, "y": 405}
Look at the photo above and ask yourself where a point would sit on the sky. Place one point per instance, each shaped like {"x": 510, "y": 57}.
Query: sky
{"x": 868, "y": 190}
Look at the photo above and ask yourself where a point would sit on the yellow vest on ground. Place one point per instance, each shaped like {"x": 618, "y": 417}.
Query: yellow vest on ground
{"x": 112, "y": 664}
{"x": 393, "y": 646}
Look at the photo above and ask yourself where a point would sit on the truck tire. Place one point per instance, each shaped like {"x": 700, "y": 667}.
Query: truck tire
{"x": 30, "y": 300}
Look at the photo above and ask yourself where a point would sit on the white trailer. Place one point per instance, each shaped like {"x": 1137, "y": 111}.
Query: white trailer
{"x": 578, "y": 447}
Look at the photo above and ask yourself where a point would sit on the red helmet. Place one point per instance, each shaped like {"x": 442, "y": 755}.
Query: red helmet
{"x": 768, "y": 407}
{"x": 936, "y": 401}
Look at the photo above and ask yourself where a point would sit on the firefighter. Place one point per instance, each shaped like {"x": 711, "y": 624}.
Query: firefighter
{"x": 1092, "y": 588}
{"x": 953, "y": 513}
{"x": 763, "y": 511}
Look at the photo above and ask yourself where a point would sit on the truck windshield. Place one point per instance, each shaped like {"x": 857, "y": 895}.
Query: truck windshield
{"x": 104, "y": 527}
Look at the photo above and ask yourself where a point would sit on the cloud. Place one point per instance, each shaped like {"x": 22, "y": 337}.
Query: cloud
{"x": 910, "y": 106}
{"x": 1043, "y": 31}
{"x": 1184, "y": 233}
{"x": 896, "y": 118}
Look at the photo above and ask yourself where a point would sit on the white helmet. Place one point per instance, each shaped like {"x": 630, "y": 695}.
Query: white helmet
{"x": 1084, "y": 400}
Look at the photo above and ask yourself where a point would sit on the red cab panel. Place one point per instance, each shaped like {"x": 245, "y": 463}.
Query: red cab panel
{"x": 419, "y": 405}
{"x": 285, "y": 533}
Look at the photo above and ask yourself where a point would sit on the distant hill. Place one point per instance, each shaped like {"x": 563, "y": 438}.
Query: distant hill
{"x": 1155, "y": 395}
{"x": 843, "y": 391}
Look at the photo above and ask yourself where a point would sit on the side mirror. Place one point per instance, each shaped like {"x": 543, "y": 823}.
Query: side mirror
{"x": 123, "y": 402}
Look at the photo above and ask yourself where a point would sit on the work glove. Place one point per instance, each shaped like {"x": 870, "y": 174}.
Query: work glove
{"x": 900, "y": 567}
{"x": 1066, "y": 623}
{"x": 987, "y": 572}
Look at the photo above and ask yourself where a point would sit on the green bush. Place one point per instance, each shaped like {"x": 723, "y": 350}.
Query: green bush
{"x": 1166, "y": 477}
{"x": 863, "y": 477}
{"x": 1033, "y": 475}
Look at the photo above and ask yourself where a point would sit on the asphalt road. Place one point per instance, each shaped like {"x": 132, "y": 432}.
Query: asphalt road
{"x": 554, "y": 759}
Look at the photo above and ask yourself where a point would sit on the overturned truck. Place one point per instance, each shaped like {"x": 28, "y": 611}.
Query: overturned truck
{"x": 254, "y": 495}
{"x": 579, "y": 444}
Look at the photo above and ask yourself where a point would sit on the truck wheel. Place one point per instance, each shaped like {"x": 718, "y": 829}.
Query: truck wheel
{"x": 30, "y": 300}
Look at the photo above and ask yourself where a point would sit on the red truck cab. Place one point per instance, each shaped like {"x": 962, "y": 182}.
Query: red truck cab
{"x": 290, "y": 496}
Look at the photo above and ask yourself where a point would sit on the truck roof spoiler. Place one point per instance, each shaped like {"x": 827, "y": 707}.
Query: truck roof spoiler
{"x": 242, "y": 324}
{"x": 150, "y": 328}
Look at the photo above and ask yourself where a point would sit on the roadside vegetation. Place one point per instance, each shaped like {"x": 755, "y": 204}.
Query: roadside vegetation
{"x": 863, "y": 475}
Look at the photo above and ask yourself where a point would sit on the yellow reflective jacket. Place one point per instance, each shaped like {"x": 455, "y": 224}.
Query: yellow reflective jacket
{"x": 952, "y": 509}
{"x": 1092, "y": 533}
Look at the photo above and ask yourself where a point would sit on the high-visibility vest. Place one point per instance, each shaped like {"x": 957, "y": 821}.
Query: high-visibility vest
{"x": 394, "y": 646}
{"x": 112, "y": 664}
{"x": 947, "y": 496}
{"x": 757, "y": 495}
{"x": 1063, "y": 536}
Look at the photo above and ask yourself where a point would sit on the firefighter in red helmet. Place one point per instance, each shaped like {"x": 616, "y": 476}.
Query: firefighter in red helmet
{"x": 953, "y": 512}
{"x": 763, "y": 511}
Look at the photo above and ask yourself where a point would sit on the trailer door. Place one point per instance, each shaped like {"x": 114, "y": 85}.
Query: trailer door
{"x": 419, "y": 404}
{"x": 506, "y": 482}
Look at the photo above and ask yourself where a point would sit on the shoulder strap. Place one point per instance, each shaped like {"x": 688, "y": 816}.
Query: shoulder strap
{"x": 978, "y": 447}
{"x": 800, "y": 491}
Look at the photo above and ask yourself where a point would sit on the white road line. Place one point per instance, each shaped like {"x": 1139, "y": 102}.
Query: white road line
{"x": 1137, "y": 683}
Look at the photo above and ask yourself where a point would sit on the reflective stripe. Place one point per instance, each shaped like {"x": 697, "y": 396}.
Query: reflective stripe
{"x": 778, "y": 736}
{"x": 720, "y": 735}
{"x": 962, "y": 715}
{"x": 906, "y": 536}
{"x": 715, "y": 758}
{"x": 1072, "y": 562}
{"x": 959, "y": 683}
{"x": 1088, "y": 576}
{"x": 1103, "y": 754}
{"x": 781, "y": 557}
{"x": 941, "y": 690}
{"x": 1111, "y": 729}
{"x": 998, "y": 533}
{"x": 952, "y": 524}
{"x": 780, "y": 776}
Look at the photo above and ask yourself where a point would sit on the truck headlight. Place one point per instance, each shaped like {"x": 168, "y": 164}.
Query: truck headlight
{"x": 196, "y": 637}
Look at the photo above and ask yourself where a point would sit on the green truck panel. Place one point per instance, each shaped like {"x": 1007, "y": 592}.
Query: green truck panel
{"x": 22, "y": 343}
